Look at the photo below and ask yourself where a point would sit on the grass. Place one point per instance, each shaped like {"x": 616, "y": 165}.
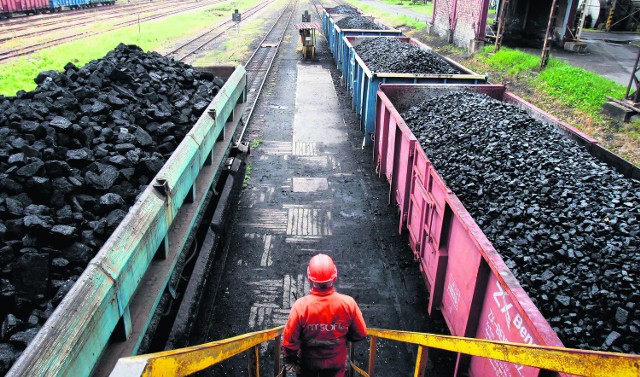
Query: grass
{"x": 255, "y": 143}
{"x": 235, "y": 49}
{"x": 571, "y": 94}
{"x": 579, "y": 88}
{"x": 572, "y": 86}
{"x": 19, "y": 74}
{"x": 395, "y": 21}
{"x": 417, "y": 6}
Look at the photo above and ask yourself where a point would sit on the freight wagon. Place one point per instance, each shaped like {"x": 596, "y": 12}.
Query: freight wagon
{"x": 9, "y": 8}
{"x": 326, "y": 16}
{"x": 336, "y": 40}
{"x": 363, "y": 82}
{"x": 58, "y": 5}
{"x": 103, "y": 301}
{"x": 466, "y": 278}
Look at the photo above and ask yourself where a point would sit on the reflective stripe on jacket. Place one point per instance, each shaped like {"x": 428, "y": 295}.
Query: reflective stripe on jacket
{"x": 319, "y": 326}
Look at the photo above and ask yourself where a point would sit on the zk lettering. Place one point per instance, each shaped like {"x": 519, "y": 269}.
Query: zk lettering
{"x": 500, "y": 297}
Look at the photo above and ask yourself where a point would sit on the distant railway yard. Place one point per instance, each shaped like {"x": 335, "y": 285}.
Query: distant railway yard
{"x": 167, "y": 169}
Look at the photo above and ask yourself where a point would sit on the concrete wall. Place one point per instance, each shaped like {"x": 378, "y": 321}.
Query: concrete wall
{"x": 462, "y": 17}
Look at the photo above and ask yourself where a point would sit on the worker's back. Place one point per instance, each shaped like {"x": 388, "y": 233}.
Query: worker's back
{"x": 320, "y": 324}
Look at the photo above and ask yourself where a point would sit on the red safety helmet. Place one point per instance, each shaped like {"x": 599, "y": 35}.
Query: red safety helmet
{"x": 321, "y": 269}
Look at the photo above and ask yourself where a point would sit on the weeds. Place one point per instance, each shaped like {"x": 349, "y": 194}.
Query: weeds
{"x": 247, "y": 177}
{"x": 255, "y": 143}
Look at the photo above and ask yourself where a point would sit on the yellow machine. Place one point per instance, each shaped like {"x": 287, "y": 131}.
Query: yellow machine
{"x": 307, "y": 32}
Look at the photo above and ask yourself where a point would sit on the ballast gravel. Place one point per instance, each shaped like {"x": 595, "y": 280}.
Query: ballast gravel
{"x": 565, "y": 224}
{"x": 74, "y": 154}
{"x": 386, "y": 54}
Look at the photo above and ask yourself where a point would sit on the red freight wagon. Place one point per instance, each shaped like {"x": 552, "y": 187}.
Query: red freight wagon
{"x": 466, "y": 278}
{"x": 22, "y": 6}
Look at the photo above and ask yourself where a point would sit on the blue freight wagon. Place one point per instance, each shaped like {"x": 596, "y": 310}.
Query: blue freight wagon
{"x": 364, "y": 83}
{"x": 334, "y": 33}
{"x": 340, "y": 50}
{"x": 77, "y": 4}
{"x": 72, "y": 4}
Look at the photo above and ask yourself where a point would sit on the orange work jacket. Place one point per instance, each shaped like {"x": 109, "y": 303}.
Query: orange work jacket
{"x": 318, "y": 328}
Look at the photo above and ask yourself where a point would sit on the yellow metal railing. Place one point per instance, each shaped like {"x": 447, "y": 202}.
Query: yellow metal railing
{"x": 186, "y": 361}
{"x": 558, "y": 359}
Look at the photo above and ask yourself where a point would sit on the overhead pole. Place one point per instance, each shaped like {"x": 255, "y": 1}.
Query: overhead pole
{"x": 546, "y": 48}
{"x": 504, "y": 5}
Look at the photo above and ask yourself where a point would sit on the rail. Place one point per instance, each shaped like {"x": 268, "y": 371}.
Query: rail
{"x": 185, "y": 361}
{"x": 557, "y": 359}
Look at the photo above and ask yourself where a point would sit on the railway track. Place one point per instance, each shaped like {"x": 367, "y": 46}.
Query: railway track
{"x": 58, "y": 15}
{"x": 53, "y": 18}
{"x": 30, "y": 49}
{"x": 8, "y": 32}
{"x": 258, "y": 67}
{"x": 189, "y": 48}
{"x": 259, "y": 64}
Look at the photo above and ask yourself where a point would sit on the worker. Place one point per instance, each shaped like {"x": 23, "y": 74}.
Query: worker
{"x": 320, "y": 324}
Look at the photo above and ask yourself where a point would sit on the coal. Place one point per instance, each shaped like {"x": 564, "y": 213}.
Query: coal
{"x": 75, "y": 153}
{"x": 385, "y": 54}
{"x": 8, "y": 355}
{"x": 343, "y": 9}
{"x": 358, "y": 22}
{"x": 23, "y": 338}
{"x": 10, "y": 326}
{"x": 565, "y": 223}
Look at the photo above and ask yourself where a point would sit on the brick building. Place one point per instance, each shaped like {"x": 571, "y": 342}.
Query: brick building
{"x": 464, "y": 22}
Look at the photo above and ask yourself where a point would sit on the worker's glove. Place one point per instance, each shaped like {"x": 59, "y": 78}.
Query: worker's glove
{"x": 292, "y": 364}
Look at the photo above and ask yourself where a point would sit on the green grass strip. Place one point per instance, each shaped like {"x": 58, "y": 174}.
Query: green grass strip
{"x": 395, "y": 21}
{"x": 19, "y": 74}
{"x": 417, "y": 6}
{"x": 573, "y": 86}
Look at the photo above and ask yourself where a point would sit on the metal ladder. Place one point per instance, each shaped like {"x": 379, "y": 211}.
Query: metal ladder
{"x": 504, "y": 7}
{"x": 546, "y": 49}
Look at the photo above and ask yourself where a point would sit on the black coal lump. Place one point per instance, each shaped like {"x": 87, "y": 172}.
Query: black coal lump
{"x": 565, "y": 223}
{"x": 74, "y": 155}
{"x": 343, "y": 9}
{"x": 386, "y": 54}
{"x": 357, "y": 22}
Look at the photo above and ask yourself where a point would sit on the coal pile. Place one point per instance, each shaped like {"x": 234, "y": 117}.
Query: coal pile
{"x": 343, "y": 9}
{"x": 357, "y": 22}
{"x": 74, "y": 155}
{"x": 393, "y": 55}
{"x": 565, "y": 224}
